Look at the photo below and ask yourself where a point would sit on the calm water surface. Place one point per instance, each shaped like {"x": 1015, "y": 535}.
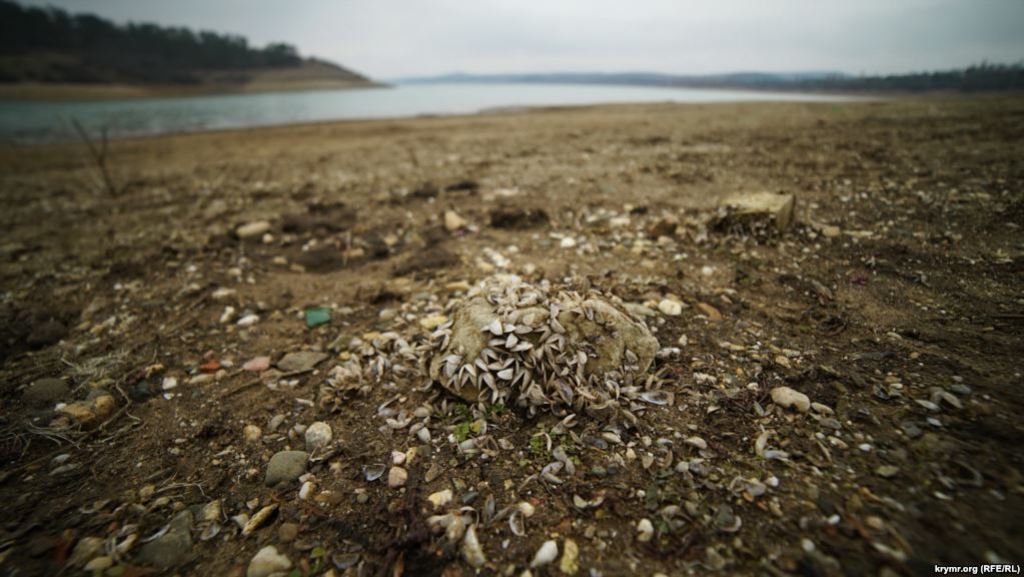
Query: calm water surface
{"x": 51, "y": 121}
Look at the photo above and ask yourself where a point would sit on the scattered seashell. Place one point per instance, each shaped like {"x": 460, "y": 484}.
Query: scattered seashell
{"x": 374, "y": 472}
{"x": 471, "y": 550}
{"x": 546, "y": 554}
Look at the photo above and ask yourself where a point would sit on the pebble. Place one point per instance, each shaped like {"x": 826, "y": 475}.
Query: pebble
{"x": 644, "y": 530}
{"x": 300, "y": 361}
{"x": 169, "y": 383}
{"x": 453, "y": 222}
{"x": 887, "y": 471}
{"x": 99, "y": 564}
{"x": 46, "y": 391}
{"x": 173, "y": 547}
{"x": 788, "y": 398}
{"x": 288, "y": 532}
{"x": 248, "y": 320}
{"x": 252, "y": 229}
{"x": 318, "y": 435}
{"x": 570, "y": 558}
{"x": 267, "y": 562}
{"x": 670, "y": 307}
{"x": 397, "y": 477}
{"x": 256, "y": 364}
{"x": 697, "y": 442}
{"x": 87, "y": 549}
{"x": 285, "y": 466}
{"x": 546, "y": 554}
{"x": 568, "y": 242}
{"x": 440, "y": 498}
{"x": 251, "y": 433}
{"x": 710, "y": 312}
{"x": 433, "y": 321}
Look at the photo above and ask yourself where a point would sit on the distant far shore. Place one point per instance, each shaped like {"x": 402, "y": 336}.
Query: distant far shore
{"x": 70, "y": 91}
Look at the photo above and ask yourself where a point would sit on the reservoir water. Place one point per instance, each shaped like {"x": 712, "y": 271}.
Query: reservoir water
{"x": 40, "y": 121}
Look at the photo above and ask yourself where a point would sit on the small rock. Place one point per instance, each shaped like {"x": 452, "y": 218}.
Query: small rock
{"x": 397, "y": 477}
{"x": 830, "y": 231}
{"x": 98, "y": 565}
{"x": 788, "y": 398}
{"x": 670, "y": 307}
{"x": 267, "y": 562}
{"x": 300, "y": 361}
{"x": 697, "y": 442}
{"x": 666, "y": 226}
{"x": 440, "y": 498}
{"x": 251, "y": 433}
{"x": 104, "y": 406}
{"x": 286, "y": 466}
{"x": 287, "y": 532}
{"x": 46, "y": 392}
{"x": 710, "y": 312}
{"x": 173, "y": 547}
{"x": 433, "y": 321}
{"x": 453, "y": 222}
{"x": 46, "y": 333}
{"x": 87, "y": 549}
{"x": 252, "y": 229}
{"x": 570, "y": 558}
{"x": 567, "y": 242}
{"x": 318, "y": 435}
{"x": 518, "y": 218}
{"x": 887, "y": 471}
{"x": 316, "y": 316}
{"x": 257, "y": 364}
{"x": 775, "y": 209}
{"x": 80, "y": 412}
{"x": 248, "y": 320}
{"x": 644, "y": 530}
{"x": 546, "y": 554}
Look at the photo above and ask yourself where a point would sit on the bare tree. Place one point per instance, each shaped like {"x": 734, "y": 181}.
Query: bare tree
{"x": 99, "y": 156}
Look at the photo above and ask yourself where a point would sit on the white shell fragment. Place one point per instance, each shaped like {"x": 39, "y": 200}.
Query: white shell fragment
{"x": 546, "y": 554}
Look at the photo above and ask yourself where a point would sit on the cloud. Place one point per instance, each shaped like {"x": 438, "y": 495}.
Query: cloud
{"x": 391, "y": 38}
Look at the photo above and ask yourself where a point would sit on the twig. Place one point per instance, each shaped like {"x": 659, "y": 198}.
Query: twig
{"x": 99, "y": 155}
{"x": 259, "y": 380}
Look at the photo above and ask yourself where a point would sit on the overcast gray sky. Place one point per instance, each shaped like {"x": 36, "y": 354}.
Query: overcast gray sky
{"x": 393, "y": 38}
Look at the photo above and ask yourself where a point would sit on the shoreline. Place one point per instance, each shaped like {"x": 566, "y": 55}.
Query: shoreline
{"x": 67, "y": 92}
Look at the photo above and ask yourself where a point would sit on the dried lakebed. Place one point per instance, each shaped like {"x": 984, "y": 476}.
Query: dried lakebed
{"x": 563, "y": 342}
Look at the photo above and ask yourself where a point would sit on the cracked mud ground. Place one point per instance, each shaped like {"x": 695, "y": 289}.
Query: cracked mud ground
{"x": 894, "y": 304}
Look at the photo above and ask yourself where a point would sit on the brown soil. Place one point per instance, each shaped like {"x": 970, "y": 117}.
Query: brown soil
{"x": 919, "y": 294}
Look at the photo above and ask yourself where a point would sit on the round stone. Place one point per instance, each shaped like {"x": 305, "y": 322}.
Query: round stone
{"x": 286, "y": 466}
{"x": 318, "y": 435}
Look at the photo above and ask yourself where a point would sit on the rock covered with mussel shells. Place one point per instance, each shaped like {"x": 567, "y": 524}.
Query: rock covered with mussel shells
{"x": 533, "y": 346}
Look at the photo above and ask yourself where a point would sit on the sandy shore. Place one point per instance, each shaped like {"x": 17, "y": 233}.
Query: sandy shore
{"x": 893, "y": 304}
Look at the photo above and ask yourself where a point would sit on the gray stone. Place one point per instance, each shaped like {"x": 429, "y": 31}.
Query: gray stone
{"x": 173, "y": 547}
{"x": 300, "y": 361}
{"x": 46, "y": 391}
{"x": 286, "y": 466}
